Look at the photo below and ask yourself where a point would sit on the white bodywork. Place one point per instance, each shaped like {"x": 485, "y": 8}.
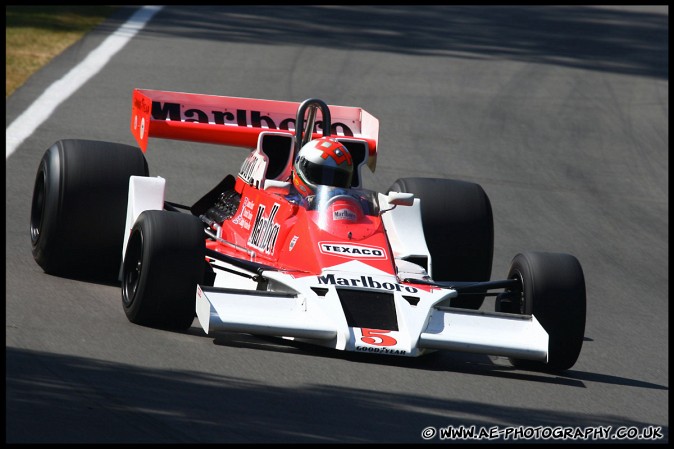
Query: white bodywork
{"x": 302, "y": 313}
{"x": 405, "y": 231}
{"x": 309, "y": 308}
{"x": 145, "y": 193}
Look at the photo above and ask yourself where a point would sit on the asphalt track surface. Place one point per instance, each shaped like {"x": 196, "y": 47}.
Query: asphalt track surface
{"x": 560, "y": 113}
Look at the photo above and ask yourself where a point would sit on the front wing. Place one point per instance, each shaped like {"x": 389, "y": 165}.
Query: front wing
{"x": 391, "y": 318}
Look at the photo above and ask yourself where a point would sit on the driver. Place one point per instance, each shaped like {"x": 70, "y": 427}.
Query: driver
{"x": 323, "y": 161}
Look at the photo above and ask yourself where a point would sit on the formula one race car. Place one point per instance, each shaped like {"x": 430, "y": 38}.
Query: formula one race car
{"x": 293, "y": 246}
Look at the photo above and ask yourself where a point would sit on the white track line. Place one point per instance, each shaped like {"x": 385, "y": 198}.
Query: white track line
{"x": 42, "y": 108}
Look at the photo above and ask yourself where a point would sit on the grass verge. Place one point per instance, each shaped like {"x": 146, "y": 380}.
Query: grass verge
{"x": 36, "y": 34}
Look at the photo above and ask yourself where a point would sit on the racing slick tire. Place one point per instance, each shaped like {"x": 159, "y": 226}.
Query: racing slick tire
{"x": 163, "y": 263}
{"x": 459, "y": 229}
{"x": 78, "y": 208}
{"x": 553, "y": 291}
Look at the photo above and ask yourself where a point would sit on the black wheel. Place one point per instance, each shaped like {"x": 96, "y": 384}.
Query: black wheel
{"x": 553, "y": 291}
{"x": 163, "y": 263}
{"x": 78, "y": 210}
{"x": 459, "y": 229}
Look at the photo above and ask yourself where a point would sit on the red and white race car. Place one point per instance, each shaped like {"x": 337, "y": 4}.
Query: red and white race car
{"x": 292, "y": 245}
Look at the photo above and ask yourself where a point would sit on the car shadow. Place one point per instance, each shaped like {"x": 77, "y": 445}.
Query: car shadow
{"x": 443, "y": 361}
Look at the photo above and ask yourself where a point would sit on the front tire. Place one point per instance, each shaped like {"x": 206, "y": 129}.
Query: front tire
{"x": 459, "y": 229}
{"x": 79, "y": 203}
{"x": 553, "y": 291}
{"x": 163, "y": 264}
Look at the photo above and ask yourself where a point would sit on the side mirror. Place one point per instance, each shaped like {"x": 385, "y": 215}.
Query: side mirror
{"x": 400, "y": 199}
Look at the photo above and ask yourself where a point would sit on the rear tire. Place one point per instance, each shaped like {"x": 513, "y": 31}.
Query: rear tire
{"x": 459, "y": 229}
{"x": 553, "y": 286}
{"x": 163, "y": 264}
{"x": 79, "y": 203}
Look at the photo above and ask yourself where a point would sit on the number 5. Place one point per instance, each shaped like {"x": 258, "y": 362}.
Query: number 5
{"x": 375, "y": 337}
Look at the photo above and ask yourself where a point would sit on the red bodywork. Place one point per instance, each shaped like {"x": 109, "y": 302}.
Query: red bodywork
{"x": 288, "y": 236}
{"x": 267, "y": 228}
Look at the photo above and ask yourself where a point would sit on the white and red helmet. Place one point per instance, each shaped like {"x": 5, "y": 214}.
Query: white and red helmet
{"x": 323, "y": 161}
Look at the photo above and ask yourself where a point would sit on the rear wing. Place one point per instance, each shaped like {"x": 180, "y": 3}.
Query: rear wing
{"x": 235, "y": 121}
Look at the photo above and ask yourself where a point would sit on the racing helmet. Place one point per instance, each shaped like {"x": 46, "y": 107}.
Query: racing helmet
{"x": 323, "y": 161}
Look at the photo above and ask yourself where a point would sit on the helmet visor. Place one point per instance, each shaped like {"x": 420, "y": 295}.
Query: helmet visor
{"x": 324, "y": 175}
